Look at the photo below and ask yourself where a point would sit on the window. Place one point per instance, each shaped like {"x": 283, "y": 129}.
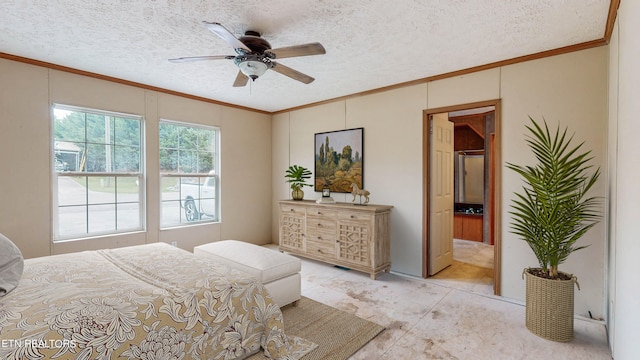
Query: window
{"x": 189, "y": 174}
{"x": 98, "y": 179}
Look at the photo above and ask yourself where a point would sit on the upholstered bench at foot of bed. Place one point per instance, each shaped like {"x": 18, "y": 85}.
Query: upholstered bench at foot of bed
{"x": 280, "y": 273}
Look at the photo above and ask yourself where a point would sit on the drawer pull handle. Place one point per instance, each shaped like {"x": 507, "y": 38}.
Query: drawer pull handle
{"x": 319, "y": 237}
{"x": 353, "y": 217}
{"x": 291, "y": 210}
{"x": 319, "y": 225}
{"x": 320, "y": 251}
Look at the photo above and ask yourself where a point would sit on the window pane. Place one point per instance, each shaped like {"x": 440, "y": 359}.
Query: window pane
{"x": 126, "y": 158}
{"x": 99, "y": 129}
{"x": 68, "y": 125}
{"x": 206, "y": 140}
{"x": 170, "y": 201}
{"x": 68, "y": 155}
{"x": 168, "y": 160}
{"x": 172, "y": 214}
{"x": 128, "y": 216}
{"x": 126, "y": 131}
{"x": 169, "y": 136}
{"x": 205, "y": 162}
{"x": 188, "y": 161}
{"x": 96, "y": 158}
{"x": 72, "y": 221}
{"x": 128, "y": 199}
{"x": 72, "y": 190}
{"x": 188, "y": 138}
{"x": 102, "y": 218}
{"x": 170, "y": 188}
{"x": 101, "y": 190}
{"x": 128, "y": 188}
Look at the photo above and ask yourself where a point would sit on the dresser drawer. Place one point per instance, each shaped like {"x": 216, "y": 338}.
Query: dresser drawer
{"x": 322, "y": 248}
{"x": 324, "y": 213}
{"x": 321, "y": 223}
{"x": 319, "y": 235}
{"x": 358, "y": 216}
{"x": 292, "y": 209}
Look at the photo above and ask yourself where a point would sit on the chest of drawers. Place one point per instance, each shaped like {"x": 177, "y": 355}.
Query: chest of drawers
{"x": 356, "y": 237}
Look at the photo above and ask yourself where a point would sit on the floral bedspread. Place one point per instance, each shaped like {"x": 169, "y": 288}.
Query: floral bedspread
{"x": 142, "y": 302}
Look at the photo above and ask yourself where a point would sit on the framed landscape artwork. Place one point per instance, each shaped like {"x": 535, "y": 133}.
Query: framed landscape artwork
{"x": 339, "y": 160}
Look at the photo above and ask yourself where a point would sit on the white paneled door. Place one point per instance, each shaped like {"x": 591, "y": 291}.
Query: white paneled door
{"x": 441, "y": 194}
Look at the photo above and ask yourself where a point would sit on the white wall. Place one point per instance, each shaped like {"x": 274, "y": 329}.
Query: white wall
{"x": 280, "y": 162}
{"x": 625, "y": 177}
{"x": 26, "y": 95}
{"x": 24, "y": 157}
{"x": 246, "y": 171}
{"x": 569, "y": 88}
{"x": 392, "y": 123}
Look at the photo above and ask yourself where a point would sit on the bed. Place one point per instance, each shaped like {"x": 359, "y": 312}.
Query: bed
{"x": 151, "y": 301}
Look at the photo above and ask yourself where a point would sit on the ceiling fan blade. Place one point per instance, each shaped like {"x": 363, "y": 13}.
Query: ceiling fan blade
{"x": 199, "y": 58}
{"x": 226, "y": 35}
{"x": 294, "y": 74}
{"x": 241, "y": 80}
{"x": 298, "y": 50}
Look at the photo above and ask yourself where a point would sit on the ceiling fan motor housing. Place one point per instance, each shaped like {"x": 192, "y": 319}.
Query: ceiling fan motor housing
{"x": 254, "y": 42}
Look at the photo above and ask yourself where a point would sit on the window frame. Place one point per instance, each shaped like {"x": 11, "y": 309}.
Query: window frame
{"x": 115, "y": 175}
{"x": 203, "y": 179}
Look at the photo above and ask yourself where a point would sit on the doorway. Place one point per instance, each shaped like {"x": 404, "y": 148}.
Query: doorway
{"x": 481, "y": 217}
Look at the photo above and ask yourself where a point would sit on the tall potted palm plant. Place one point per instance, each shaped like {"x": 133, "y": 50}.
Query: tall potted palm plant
{"x": 551, "y": 214}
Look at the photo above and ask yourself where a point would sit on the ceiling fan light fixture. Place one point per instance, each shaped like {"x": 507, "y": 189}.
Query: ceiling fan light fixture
{"x": 253, "y": 68}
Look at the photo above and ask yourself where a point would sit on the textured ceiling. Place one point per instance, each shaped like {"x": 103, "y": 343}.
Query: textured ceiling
{"x": 370, "y": 43}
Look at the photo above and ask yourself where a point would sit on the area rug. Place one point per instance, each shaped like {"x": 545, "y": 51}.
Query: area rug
{"x": 337, "y": 333}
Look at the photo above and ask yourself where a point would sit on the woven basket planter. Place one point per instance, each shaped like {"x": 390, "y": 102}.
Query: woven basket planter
{"x": 550, "y": 307}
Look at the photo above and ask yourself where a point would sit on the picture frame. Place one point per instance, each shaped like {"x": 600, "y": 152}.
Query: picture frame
{"x": 339, "y": 160}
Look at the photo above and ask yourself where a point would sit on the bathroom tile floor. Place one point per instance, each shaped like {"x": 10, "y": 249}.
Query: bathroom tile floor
{"x": 442, "y": 318}
{"x": 472, "y": 268}
{"x": 473, "y": 252}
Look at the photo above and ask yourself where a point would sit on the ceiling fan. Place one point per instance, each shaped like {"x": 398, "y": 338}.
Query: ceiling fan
{"x": 255, "y": 55}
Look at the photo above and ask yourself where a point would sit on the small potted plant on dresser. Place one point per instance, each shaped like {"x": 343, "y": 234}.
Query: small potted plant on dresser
{"x": 297, "y": 176}
{"x": 551, "y": 214}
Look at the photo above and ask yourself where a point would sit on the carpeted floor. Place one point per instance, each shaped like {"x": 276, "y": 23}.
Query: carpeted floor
{"x": 337, "y": 333}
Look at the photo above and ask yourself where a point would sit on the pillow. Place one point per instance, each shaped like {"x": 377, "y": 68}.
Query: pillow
{"x": 11, "y": 265}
